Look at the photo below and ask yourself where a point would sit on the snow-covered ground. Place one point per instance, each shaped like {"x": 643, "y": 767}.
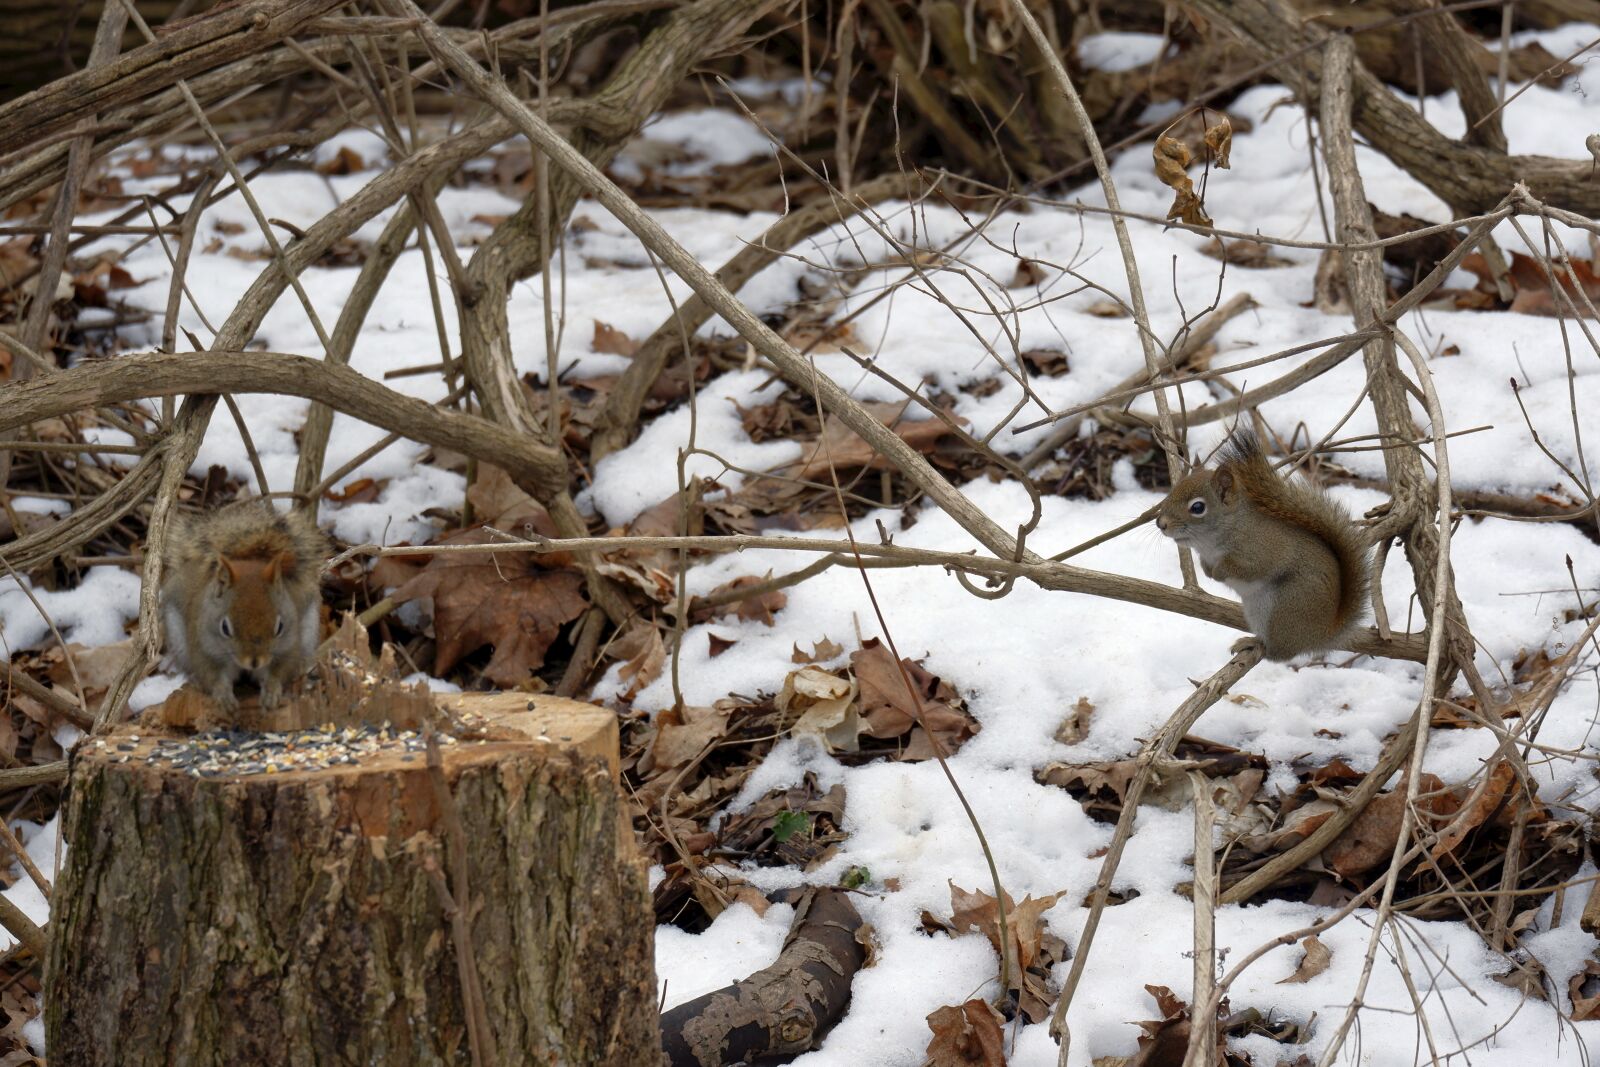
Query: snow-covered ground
{"x": 1023, "y": 661}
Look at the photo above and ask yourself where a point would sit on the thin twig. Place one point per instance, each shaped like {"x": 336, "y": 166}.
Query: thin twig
{"x": 1153, "y": 757}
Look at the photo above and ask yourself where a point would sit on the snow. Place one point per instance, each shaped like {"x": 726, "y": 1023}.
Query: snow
{"x": 1021, "y": 662}
{"x": 91, "y": 613}
{"x": 738, "y": 943}
{"x": 1115, "y": 51}
{"x": 647, "y": 472}
{"x": 41, "y": 841}
{"x": 709, "y": 137}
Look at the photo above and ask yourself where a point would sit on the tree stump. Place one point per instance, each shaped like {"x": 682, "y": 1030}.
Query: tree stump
{"x": 299, "y": 906}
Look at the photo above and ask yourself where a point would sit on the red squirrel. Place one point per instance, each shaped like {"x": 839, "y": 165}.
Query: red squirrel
{"x": 241, "y": 595}
{"x": 1296, "y": 559}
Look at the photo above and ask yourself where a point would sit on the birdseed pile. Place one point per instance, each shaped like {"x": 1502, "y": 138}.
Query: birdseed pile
{"x": 232, "y": 753}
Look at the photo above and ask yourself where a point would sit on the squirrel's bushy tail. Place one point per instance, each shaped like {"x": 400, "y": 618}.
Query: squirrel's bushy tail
{"x": 251, "y": 529}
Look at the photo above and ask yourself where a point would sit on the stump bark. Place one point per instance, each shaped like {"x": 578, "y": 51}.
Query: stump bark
{"x": 301, "y": 916}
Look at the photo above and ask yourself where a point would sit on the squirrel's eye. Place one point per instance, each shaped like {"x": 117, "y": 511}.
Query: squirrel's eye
{"x": 1197, "y": 507}
{"x": 227, "y": 627}
{"x": 278, "y": 629}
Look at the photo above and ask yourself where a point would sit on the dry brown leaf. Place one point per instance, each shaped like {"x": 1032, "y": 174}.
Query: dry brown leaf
{"x": 841, "y": 449}
{"x": 971, "y": 1035}
{"x": 1219, "y": 139}
{"x": 16, "y": 260}
{"x": 811, "y": 335}
{"x": 890, "y": 710}
{"x": 346, "y": 161}
{"x": 681, "y": 734}
{"x": 504, "y": 599}
{"x": 1252, "y": 255}
{"x": 612, "y": 341}
{"x": 1370, "y": 839}
{"x": 1297, "y": 826}
{"x": 825, "y": 706}
{"x": 1046, "y": 362}
{"x": 501, "y": 503}
{"x": 1497, "y": 791}
{"x": 1075, "y": 725}
{"x": 360, "y": 491}
{"x": 1584, "y": 988}
{"x": 760, "y": 607}
{"x": 643, "y": 655}
{"x": 1335, "y": 772}
{"x": 1107, "y": 776}
{"x": 390, "y": 572}
{"x": 654, "y": 571}
{"x": 96, "y": 667}
{"x": 1165, "y": 1040}
{"x": 1172, "y": 157}
{"x": 776, "y": 420}
{"x": 1532, "y": 285}
{"x": 821, "y": 652}
{"x": 745, "y": 893}
{"x": 1029, "y": 274}
{"x": 1034, "y": 949}
{"x": 718, "y": 645}
{"x": 1313, "y": 961}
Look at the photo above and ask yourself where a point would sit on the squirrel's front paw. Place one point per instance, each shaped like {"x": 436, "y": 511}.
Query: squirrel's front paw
{"x": 223, "y": 697}
{"x": 1246, "y": 644}
{"x": 271, "y": 693}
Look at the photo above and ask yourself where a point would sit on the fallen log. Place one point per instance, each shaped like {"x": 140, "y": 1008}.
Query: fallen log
{"x": 785, "y": 1009}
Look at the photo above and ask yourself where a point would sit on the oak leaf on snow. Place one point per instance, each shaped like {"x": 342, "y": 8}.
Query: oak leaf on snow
{"x": 504, "y": 599}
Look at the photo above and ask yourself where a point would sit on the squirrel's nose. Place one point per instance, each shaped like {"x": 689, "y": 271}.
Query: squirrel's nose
{"x": 1161, "y": 522}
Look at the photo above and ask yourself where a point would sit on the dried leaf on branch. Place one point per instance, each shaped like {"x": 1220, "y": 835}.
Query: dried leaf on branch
{"x": 1172, "y": 158}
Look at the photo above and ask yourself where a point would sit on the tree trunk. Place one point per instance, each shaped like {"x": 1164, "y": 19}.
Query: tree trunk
{"x": 305, "y": 916}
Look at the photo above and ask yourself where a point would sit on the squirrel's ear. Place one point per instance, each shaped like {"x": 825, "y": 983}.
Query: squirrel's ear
{"x": 227, "y": 572}
{"x": 1224, "y": 481}
{"x": 279, "y": 565}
